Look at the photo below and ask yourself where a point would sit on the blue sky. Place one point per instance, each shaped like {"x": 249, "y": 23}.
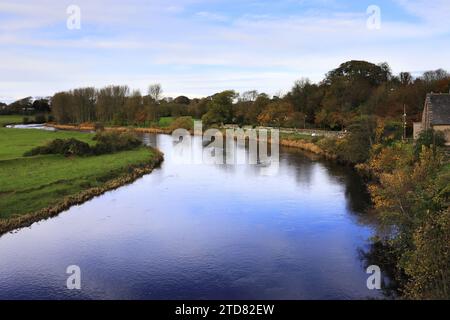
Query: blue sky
{"x": 199, "y": 47}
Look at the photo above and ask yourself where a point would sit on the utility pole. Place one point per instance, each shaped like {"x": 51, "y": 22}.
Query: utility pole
{"x": 404, "y": 122}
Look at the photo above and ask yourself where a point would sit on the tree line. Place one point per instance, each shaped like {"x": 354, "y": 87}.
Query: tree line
{"x": 26, "y": 106}
{"x": 354, "y": 89}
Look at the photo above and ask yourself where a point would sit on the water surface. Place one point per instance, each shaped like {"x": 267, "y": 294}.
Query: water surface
{"x": 35, "y": 126}
{"x": 202, "y": 232}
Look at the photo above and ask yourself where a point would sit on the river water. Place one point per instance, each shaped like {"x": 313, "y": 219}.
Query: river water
{"x": 197, "y": 231}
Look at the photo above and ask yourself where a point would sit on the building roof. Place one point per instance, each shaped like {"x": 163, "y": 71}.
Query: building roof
{"x": 440, "y": 106}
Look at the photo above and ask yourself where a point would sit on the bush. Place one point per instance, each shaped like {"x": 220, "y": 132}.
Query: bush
{"x": 112, "y": 141}
{"x": 40, "y": 118}
{"x": 66, "y": 147}
{"x": 428, "y": 264}
{"x": 98, "y": 126}
{"x": 428, "y": 138}
{"x": 25, "y": 120}
{"x": 182, "y": 123}
{"x": 107, "y": 142}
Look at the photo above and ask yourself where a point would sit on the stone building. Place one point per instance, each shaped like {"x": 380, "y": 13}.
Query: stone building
{"x": 436, "y": 115}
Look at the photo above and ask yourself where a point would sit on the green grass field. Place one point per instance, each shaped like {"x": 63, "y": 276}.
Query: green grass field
{"x": 32, "y": 183}
{"x": 165, "y": 122}
{"x": 15, "y": 142}
{"x": 4, "y": 120}
{"x": 298, "y": 136}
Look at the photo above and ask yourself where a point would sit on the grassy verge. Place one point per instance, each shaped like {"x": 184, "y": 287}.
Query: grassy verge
{"x": 37, "y": 187}
{"x": 298, "y": 136}
{"x": 10, "y": 119}
{"x": 15, "y": 142}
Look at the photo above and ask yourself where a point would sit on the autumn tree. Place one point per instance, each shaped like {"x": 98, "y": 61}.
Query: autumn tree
{"x": 133, "y": 110}
{"x": 83, "y": 107}
{"x": 111, "y": 102}
{"x": 412, "y": 199}
{"x": 61, "y": 107}
{"x": 276, "y": 114}
{"x": 220, "y": 108}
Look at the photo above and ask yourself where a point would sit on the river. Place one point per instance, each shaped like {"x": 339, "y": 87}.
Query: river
{"x": 197, "y": 231}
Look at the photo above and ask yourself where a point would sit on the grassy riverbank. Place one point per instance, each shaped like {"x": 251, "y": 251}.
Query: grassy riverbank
{"x": 31, "y": 186}
{"x": 10, "y": 119}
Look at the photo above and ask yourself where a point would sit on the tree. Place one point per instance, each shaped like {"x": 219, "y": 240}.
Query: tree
{"x": 255, "y": 108}
{"x": 277, "y": 113}
{"x": 356, "y": 147}
{"x": 300, "y": 93}
{"x": 353, "y": 71}
{"x": 111, "y": 102}
{"x": 321, "y": 118}
{"x": 412, "y": 199}
{"x": 155, "y": 92}
{"x": 350, "y": 85}
{"x": 83, "y": 107}
{"x": 296, "y": 120}
{"x": 133, "y": 110}
{"x": 182, "y": 100}
{"x": 41, "y": 105}
{"x": 198, "y": 107}
{"x": 249, "y": 96}
{"x": 23, "y": 106}
{"x": 436, "y": 75}
{"x": 428, "y": 265}
{"x": 405, "y": 78}
{"x": 61, "y": 107}
{"x": 220, "y": 108}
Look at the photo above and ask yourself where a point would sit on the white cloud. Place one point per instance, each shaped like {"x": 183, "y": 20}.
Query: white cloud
{"x": 212, "y": 16}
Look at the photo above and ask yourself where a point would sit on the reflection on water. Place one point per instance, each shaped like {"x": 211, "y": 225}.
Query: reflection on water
{"x": 31, "y": 126}
{"x": 202, "y": 232}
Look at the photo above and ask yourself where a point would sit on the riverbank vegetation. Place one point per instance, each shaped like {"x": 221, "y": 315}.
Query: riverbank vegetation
{"x": 410, "y": 193}
{"x": 106, "y": 143}
{"x": 35, "y": 187}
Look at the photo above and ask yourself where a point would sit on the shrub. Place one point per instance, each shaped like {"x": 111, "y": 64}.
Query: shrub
{"x": 428, "y": 264}
{"x": 98, "y": 126}
{"x": 112, "y": 141}
{"x": 329, "y": 144}
{"x": 66, "y": 147}
{"x": 107, "y": 142}
{"x": 182, "y": 123}
{"x": 40, "y": 118}
{"x": 428, "y": 138}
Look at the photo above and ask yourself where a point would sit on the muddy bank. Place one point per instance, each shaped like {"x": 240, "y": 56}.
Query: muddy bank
{"x": 89, "y": 127}
{"x": 129, "y": 175}
{"x": 292, "y": 143}
{"x": 307, "y": 146}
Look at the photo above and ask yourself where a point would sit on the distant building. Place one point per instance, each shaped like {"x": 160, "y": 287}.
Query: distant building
{"x": 436, "y": 115}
